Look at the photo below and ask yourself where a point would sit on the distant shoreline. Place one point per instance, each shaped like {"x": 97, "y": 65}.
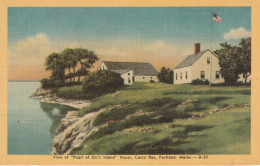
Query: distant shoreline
{"x": 24, "y": 80}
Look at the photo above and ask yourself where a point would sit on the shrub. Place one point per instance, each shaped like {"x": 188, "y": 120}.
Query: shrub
{"x": 200, "y": 82}
{"x": 51, "y": 83}
{"x": 165, "y": 75}
{"x": 72, "y": 83}
{"x": 248, "y": 83}
{"x": 239, "y": 83}
{"x": 152, "y": 81}
{"x": 206, "y": 82}
{"x": 47, "y": 83}
{"x": 102, "y": 81}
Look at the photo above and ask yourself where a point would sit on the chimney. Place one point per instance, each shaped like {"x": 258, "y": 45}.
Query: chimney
{"x": 196, "y": 48}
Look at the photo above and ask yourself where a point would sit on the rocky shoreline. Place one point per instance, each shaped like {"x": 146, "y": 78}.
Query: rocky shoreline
{"x": 72, "y": 129}
{"x": 47, "y": 96}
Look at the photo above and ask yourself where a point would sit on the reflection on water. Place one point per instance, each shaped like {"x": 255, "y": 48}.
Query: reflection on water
{"x": 55, "y": 112}
{"x": 31, "y": 124}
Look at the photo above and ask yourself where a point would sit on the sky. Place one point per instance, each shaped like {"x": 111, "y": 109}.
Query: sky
{"x": 162, "y": 36}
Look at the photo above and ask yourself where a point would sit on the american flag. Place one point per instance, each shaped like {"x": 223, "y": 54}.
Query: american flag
{"x": 216, "y": 18}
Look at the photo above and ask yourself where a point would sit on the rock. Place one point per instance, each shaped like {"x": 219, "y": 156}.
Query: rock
{"x": 134, "y": 130}
{"x": 216, "y": 110}
{"x": 113, "y": 121}
{"x": 116, "y": 93}
{"x": 47, "y": 96}
{"x": 73, "y": 131}
{"x": 116, "y": 107}
{"x": 70, "y": 118}
{"x": 203, "y": 115}
{"x": 40, "y": 93}
{"x": 245, "y": 105}
{"x": 127, "y": 105}
{"x": 187, "y": 102}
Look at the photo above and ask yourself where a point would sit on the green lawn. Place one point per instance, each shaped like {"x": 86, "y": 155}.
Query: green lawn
{"x": 151, "y": 118}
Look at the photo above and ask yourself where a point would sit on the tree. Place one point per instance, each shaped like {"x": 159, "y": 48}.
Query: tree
{"x": 245, "y": 57}
{"x": 54, "y": 62}
{"x": 86, "y": 60}
{"x": 70, "y": 62}
{"x": 235, "y": 60}
{"x": 228, "y": 61}
{"x": 165, "y": 75}
{"x": 80, "y": 60}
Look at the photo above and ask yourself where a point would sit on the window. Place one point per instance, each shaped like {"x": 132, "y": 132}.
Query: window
{"x": 103, "y": 67}
{"x": 217, "y": 74}
{"x": 208, "y": 60}
{"x": 186, "y": 75}
{"x": 151, "y": 77}
{"x": 244, "y": 75}
{"x": 129, "y": 74}
{"x": 202, "y": 74}
{"x": 143, "y": 77}
{"x": 181, "y": 76}
{"x": 176, "y": 76}
{"x": 129, "y": 80}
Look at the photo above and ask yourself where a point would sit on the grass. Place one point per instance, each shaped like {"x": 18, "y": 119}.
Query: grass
{"x": 143, "y": 92}
{"x": 74, "y": 92}
{"x": 152, "y": 119}
{"x": 229, "y": 133}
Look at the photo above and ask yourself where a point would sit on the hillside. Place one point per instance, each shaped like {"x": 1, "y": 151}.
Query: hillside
{"x": 160, "y": 118}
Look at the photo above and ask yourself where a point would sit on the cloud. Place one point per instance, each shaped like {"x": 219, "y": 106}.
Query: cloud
{"x": 26, "y": 57}
{"x": 113, "y": 51}
{"x": 160, "y": 48}
{"x": 38, "y": 40}
{"x": 32, "y": 48}
{"x": 237, "y": 33}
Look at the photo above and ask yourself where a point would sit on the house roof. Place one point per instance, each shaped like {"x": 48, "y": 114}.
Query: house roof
{"x": 139, "y": 68}
{"x": 123, "y": 71}
{"x": 188, "y": 61}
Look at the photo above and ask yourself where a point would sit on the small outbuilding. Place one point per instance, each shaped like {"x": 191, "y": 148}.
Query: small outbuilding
{"x": 132, "y": 71}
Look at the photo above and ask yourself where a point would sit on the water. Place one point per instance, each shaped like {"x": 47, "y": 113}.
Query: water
{"x": 31, "y": 124}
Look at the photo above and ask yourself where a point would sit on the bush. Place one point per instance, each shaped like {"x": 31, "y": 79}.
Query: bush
{"x": 51, "y": 83}
{"x": 200, "y": 82}
{"x": 102, "y": 81}
{"x": 248, "y": 83}
{"x": 46, "y": 83}
{"x": 152, "y": 81}
{"x": 239, "y": 83}
{"x": 72, "y": 83}
{"x": 165, "y": 75}
{"x": 206, "y": 82}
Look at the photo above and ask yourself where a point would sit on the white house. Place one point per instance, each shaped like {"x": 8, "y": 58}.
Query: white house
{"x": 198, "y": 66}
{"x": 242, "y": 78}
{"x": 131, "y": 71}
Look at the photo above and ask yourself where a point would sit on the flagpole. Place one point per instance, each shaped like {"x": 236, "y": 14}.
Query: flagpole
{"x": 211, "y": 50}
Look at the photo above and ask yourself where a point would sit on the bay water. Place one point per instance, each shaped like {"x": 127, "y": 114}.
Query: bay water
{"x": 31, "y": 124}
